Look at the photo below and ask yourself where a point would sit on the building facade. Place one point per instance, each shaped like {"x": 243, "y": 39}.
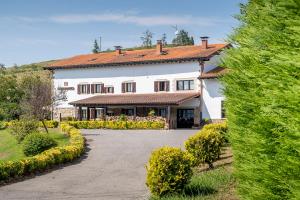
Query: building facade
{"x": 178, "y": 83}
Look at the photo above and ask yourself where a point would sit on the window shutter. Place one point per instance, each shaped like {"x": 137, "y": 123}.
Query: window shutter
{"x": 167, "y": 85}
{"x": 156, "y": 86}
{"x": 113, "y": 90}
{"x": 103, "y": 88}
{"x": 93, "y": 88}
{"x": 88, "y": 88}
{"x": 78, "y": 89}
{"x": 123, "y": 87}
{"x": 134, "y": 87}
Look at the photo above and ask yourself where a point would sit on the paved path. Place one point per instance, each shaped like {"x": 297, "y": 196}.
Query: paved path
{"x": 113, "y": 168}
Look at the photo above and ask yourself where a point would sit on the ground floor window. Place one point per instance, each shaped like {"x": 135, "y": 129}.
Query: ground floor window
{"x": 162, "y": 112}
{"x": 185, "y": 118}
{"x": 128, "y": 112}
{"x": 84, "y": 113}
{"x": 223, "y": 114}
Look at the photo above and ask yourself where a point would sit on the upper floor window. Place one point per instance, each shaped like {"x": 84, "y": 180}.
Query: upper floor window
{"x": 109, "y": 89}
{"x": 161, "y": 86}
{"x": 83, "y": 89}
{"x": 98, "y": 88}
{"x": 66, "y": 84}
{"x": 185, "y": 84}
{"x": 129, "y": 87}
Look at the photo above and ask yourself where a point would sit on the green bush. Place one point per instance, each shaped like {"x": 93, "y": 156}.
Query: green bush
{"x": 22, "y": 128}
{"x": 222, "y": 128}
{"x": 169, "y": 170}
{"x": 49, "y": 124}
{"x": 35, "y": 143}
{"x": 263, "y": 98}
{"x": 46, "y": 159}
{"x": 3, "y": 125}
{"x": 205, "y": 146}
{"x": 118, "y": 124}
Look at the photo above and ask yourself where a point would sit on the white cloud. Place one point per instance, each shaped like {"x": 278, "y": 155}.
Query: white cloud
{"x": 136, "y": 19}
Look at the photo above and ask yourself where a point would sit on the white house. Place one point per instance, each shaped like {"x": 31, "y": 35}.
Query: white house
{"x": 178, "y": 83}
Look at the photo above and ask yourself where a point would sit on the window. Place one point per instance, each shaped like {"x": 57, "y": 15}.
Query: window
{"x": 83, "y": 89}
{"x": 84, "y": 113}
{"x": 128, "y": 112}
{"x": 109, "y": 89}
{"x": 223, "y": 113}
{"x": 185, "y": 85}
{"x": 160, "y": 86}
{"x": 162, "y": 112}
{"x": 129, "y": 87}
{"x": 98, "y": 88}
{"x": 66, "y": 84}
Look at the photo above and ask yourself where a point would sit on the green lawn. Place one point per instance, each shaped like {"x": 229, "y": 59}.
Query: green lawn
{"x": 11, "y": 150}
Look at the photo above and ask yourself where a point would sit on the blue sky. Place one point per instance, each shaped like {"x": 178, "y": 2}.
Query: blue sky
{"x": 35, "y": 30}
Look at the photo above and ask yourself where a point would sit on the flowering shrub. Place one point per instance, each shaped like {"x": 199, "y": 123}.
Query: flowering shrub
{"x": 117, "y": 124}
{"x": 35, "y": 143}
{"x": 49, "y": 124}
{"x": 48, "y": 158}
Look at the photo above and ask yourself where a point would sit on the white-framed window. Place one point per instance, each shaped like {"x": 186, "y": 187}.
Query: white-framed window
{"x": 129, "y": 87}
{"x": 185, "y": 84}
{"x": 98, "y": 88}
{"x": 84, "y": 113}
{"x": 109, "y": 89}
{"x": 223, "y": 112}
{"x": 83, "y": 89}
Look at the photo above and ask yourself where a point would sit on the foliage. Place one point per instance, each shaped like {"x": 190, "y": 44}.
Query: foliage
{"x": 23, "y": 127}
{"x": 147, "y": 38}
{"x": 46, "y": 159}
{"x": 205, "y": 146}
{"x": 96, "y": 48}
{"x": 118, "y": 124}
{"x": 35, "y": 143}
{"x": 151, "y": 113}
{"x": 49, "y": 124}
{"x": 122, "y": 117}
{"x": 169, "y": 170}
{"x": 10, "y": 97}
{"x": 262, "y": 99}
{"x": 183, "y": 38}
{"x": 3, "y": 125}
{"x": 222, "y": 128}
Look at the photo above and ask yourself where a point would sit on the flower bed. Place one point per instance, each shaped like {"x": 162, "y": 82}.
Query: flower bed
{"x": 47, "y": 159}
{"x": 117, "y": 124}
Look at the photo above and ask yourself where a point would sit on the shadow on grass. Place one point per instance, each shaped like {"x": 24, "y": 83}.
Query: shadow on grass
{"x": 198, "y": 190}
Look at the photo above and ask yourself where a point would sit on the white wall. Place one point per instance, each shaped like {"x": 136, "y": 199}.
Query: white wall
{"x": 212, "y": 97}
{"x": 143, "y": 75}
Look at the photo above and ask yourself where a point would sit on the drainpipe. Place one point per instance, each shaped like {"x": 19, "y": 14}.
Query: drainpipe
{"x": 201, "y": 63}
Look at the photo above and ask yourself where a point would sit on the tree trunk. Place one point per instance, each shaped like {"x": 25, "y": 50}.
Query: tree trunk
{"x": 45, "y": 127}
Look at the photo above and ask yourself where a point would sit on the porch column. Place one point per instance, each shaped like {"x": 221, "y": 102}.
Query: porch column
{"x": 197, "y": 116}
{"x": 92, "y": 113}
{"x": 88, "y": 113}
{"x": 79, "y": 114}
{"x": 169, "y": 116}
{"x": 134, "y": 112}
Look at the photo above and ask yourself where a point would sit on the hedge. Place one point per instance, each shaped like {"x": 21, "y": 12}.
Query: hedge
{"x": 118, "y": 124}
{"x": 47, "y": 159}
{"x": 48, "y": 123}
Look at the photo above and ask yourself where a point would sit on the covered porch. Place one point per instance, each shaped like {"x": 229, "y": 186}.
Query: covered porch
{"x": 176, "y": 108}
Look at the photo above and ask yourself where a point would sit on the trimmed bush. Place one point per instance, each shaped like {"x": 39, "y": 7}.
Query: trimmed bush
{"x": 169, "y": 170}
{"x": 46, "y": 159}
{"x": 49, "y": 124}
{"x": 222, "y": 128}
{"x": 22, "y": 128}
{"x": 205, "y": 146}
{"x": 35, "y": 143}
{"x": 118, "y": 124}
{"x": 3, "y": 125}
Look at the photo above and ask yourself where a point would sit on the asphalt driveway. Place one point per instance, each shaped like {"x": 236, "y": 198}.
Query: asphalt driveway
{"x": 112, "y": 169}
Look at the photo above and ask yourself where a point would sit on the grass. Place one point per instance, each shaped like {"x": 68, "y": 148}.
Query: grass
{"x": 11, "y": 150}
{"x": 216, "y": 184}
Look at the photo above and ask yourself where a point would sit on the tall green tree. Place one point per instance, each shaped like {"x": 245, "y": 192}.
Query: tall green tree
{"x": 96, "y": 48}
{"x": 147, "y": 38}
{"x": 10, "y": 97}
{"x": 183, "y": 38}
{"x": 263, "y": 98}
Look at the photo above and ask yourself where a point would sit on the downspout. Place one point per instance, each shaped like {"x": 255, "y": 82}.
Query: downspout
{"x": 201, "y": 63}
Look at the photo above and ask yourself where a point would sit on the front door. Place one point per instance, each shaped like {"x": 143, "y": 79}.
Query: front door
{"x": 185, "y": 118}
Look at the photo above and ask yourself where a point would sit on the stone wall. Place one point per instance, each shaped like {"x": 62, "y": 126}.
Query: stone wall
{"x": 64, "y": 113}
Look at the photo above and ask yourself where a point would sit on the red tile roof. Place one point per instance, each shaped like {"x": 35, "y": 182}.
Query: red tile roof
{"x": 214, "y": 73}
{"x": 138, "y": 99}
{"x": 172, "y": 54}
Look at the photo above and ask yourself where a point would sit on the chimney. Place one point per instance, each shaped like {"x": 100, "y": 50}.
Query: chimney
{"x": 204, "y": 42}
{"x": 159, "y": 47}
{"x": 118, "y": 50}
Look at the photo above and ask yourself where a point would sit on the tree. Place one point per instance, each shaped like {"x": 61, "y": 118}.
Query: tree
{"x": 38, "y": 98}
{"x": 96, "y": 48}
{"x": 183, "y": 38}
{"x": 147, "y": 39}
{"x": 10, "y": 97}
{"x": 164, "y": 39}
{"x": 262, "y": 99}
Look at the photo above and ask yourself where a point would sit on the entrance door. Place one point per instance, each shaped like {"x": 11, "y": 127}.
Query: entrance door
{"x": 185, "y": 118}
